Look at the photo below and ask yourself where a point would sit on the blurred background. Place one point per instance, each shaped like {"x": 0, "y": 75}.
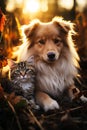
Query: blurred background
{"x": 26, "y": 10}
{"x": 20, "y": 12}
{"x": 14, "y": 14}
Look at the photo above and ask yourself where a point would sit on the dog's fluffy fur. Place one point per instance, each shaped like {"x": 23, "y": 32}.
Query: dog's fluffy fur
{"x": 56, "y": 59}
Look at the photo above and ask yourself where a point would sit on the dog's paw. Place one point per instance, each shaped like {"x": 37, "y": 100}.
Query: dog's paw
{"x": 83, "y": 98}
{"x": 50, "y": 106}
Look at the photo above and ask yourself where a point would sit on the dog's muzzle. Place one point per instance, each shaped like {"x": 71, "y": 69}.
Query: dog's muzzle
{"x": 51, "y": 56}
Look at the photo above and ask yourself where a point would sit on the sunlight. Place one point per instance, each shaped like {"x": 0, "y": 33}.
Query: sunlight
{"x": 67, "y": 4}
{"x": 31, "y": 6}
{"x": 81, "y": 4}
{"x": 10, "y": 5}
{"x": 44, "y": 5}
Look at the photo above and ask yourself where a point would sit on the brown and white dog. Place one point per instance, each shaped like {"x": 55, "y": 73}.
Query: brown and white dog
{"x": 56, "y": 59}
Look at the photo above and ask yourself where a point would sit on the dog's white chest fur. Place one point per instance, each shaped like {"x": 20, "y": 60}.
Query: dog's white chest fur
{"x": 53, "y": 80}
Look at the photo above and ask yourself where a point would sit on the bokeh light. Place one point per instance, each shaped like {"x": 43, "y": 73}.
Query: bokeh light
{"x": 81, "y": 5}
{"x": 67, "y": 4}
{"x": 31, "y": 6}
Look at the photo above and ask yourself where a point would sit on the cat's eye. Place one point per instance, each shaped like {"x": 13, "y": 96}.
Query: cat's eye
{"x": 17, "y": 72}
{"x": 27, "y": 70}
{"x": 42, "y": 41}
{"x": 30, "y": 70}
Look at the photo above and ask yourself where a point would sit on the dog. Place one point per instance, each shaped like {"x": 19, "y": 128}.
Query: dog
{"x": 56, "y": 59}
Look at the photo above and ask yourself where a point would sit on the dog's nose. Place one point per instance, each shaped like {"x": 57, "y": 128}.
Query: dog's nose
{"x": 51, "y": 55}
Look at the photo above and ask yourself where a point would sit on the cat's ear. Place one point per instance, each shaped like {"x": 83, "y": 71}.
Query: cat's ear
{"x": 11, "y": 63}
{"x": 31, "y": 60}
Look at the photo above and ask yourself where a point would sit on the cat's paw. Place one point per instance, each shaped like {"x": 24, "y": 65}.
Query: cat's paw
{"x": 36, "y": 107}
{"x": 33, "y": 104}
{"x": 51, "y": 105}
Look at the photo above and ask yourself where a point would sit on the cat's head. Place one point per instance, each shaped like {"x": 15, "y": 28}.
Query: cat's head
{"x": 23, "y": 71}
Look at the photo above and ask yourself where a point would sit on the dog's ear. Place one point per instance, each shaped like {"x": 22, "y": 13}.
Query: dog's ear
{"x": 64, "y": 26}
{"x": 28, "y": 30}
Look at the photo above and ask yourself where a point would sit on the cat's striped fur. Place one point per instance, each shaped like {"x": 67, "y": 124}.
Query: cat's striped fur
{"x": 22, "y": 75}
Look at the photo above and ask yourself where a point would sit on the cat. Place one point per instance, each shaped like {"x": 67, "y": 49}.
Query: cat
{"x": 22, "y": 76}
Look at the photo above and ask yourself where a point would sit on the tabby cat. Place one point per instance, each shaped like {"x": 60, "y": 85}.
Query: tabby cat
{"x": 22, "y": 75}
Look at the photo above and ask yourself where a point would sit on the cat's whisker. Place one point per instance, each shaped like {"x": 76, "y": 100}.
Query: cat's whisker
{"x": 22, "y": 75}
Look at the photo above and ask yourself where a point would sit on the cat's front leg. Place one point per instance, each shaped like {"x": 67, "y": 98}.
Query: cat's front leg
{"x": 33, "y": 104}
{"x": 45, "y": 101}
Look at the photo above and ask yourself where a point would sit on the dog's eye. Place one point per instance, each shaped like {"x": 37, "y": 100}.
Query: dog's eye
{"x": 42, "y": 41}
{"x": 56, "y": 41}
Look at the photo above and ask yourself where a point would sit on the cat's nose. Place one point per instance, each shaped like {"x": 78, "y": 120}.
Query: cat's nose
{"x": 23, "y": 73}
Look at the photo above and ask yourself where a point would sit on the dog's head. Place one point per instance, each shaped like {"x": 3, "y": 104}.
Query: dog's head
{"x": 47, "y": 40}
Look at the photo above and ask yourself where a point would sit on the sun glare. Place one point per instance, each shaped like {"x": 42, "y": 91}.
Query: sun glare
{"x": 81, "y": 4}
{"x": 10, "y": 5}
{"x": 31, "y": 6}
{"x": 67, "y": 4}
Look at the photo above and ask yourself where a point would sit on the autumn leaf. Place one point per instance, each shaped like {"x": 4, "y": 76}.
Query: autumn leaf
{"x": 17, "y": 101}
{"x": 2, "y": 20}
{"x": 1, "y": 92}
{"x": 13, "y": 98}
{"x": 3, "y": 60}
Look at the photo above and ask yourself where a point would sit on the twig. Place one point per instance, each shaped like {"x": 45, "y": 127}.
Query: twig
{"x": 71, "y": 109}
{"x": 35, "y": 119}
{"x": 79, "y": 122}
{"x": 15, "y": 114}
{"x": 63, "y": 112}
